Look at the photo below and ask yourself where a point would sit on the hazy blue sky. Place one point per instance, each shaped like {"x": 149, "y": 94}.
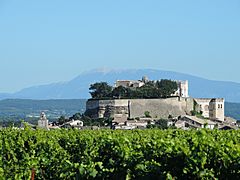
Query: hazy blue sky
{"x": 53, "y": 40}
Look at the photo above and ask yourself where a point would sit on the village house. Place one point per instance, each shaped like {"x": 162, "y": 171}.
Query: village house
{"x": 195, "y": 122}
{"x": 76, "y": 124}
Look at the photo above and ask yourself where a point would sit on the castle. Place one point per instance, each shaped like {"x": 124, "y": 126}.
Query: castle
{"x": 179, "y": 104}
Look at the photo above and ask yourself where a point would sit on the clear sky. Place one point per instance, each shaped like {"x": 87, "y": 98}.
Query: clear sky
{"x": 44, "y": 41}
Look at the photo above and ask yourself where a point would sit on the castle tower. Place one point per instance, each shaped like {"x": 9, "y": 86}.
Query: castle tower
{"x": 184, "y": 89}
{"x": 43, "y": 121}
{"x": 216, "y": 109}
{"x": 145, "y": 79}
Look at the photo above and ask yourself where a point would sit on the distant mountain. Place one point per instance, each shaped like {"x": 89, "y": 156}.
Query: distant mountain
{"x": 78, "y": 87}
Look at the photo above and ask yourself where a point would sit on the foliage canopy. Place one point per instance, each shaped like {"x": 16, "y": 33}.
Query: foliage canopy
{"x": 106, "y": 154}
{"x": 152, "y": 89}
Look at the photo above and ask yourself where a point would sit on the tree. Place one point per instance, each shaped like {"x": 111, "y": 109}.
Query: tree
{"x": 162, "y": 124}
{"x": 166, "y": 87}
{"x": 76, "y": 116}
{"x": 120, "y": 92}
{"x": 147, "y": 91}
{"x": 100, "y": 90}
{"x": 152, "y": 89}
{"x": 61, "y": 120}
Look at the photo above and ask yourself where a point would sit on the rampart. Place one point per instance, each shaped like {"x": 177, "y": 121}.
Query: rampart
{"x": 132, "y": 108}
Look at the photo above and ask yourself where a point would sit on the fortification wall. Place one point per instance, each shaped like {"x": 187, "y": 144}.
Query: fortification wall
{"x": 161, "y": 108}
{"x": 132, "y": 108}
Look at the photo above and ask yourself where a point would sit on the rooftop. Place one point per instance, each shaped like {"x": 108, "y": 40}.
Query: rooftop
{"x": 200, "y": 121}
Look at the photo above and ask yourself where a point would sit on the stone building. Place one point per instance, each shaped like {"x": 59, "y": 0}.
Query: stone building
{"x": 43, "y": 121}
{"x": 129, "y": 83}
{"x": 195, "y": 122}
{"x": 77, "y": 124}
{"x": 216, "y": 109}
{"x": 182, "y": 90}
{"x": 212, "y": 108}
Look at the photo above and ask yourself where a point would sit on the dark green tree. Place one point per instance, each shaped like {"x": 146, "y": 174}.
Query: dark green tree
{"x": 120, "y": 92}
{"x": 61, "y": 119}
{"x": 147, "y": 91}
{"x": 100, "y": 90}
{"x": 76, "y": 116}
{"x": 162, "y": 124}
{"x": 159, "y": 89}
{"x": 166, "y": 87}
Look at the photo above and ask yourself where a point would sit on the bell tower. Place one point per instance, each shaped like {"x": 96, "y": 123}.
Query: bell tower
{"x": 43, "y": 121}
{"x": 216, "y": 109}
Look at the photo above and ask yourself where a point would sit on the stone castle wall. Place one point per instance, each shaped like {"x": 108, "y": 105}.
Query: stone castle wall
{"x": 132, "y": 108}
{"x": 161, "y": 108}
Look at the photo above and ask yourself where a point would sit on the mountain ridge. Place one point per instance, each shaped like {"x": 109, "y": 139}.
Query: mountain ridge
{"x": 77, "y": 88}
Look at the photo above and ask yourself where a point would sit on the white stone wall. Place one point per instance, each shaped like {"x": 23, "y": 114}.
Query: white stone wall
{"x": 124, "y": 83}
{"x": 43, "y": 124}
{"x": 184, "y": 89}
{"x": 132, "y": 108}
{"x": 129, "y": 83}
{"x": 216, "y": 109}
{"x": 203, "y": 105}
{"x": 212, "y": 108}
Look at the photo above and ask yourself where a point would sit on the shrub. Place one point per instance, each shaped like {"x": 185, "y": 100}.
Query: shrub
{"x": 147, "y": 114}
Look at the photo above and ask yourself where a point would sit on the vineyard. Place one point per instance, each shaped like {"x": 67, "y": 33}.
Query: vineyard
{"x": 107, "y": 154}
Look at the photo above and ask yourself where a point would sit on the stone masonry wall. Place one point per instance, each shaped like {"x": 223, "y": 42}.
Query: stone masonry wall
{"x": 158, "y": 108}
{"x": 161, "y": 108}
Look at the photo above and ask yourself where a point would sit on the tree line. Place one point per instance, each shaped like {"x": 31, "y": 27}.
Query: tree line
{"x": 152, "y": 89}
